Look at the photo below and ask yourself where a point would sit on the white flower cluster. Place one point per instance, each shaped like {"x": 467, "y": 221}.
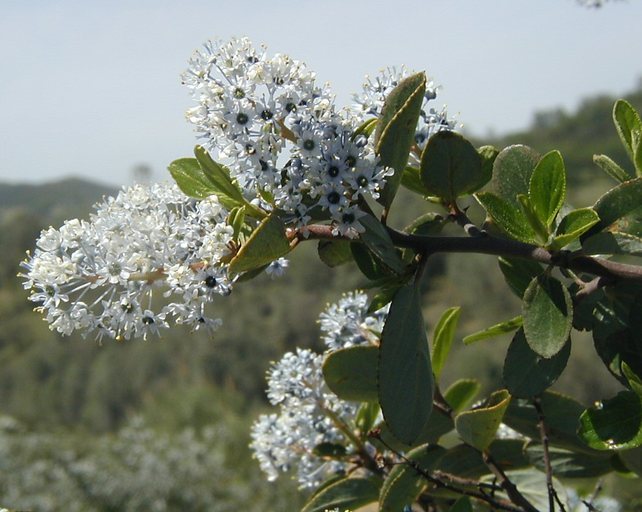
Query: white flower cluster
{"x": 252, "y": 108}
{"x": 348, "y": 322}
{"x": 310, "y": 413}
{"x": 375, "y": 90}
{"x": 99, "y": 275}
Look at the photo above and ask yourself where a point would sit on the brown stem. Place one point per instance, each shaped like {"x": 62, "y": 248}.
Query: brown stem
{"x": 541, "y": 423}
{"x": 508, "y": 486}
{"x": 496, "y": 503}
{"x": 499, "y": 247}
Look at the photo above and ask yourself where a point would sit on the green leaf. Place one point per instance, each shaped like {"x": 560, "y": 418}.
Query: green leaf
{"x": 479, "y": 426}
{"x": 611, "y": 168}
{"x": 329, "y": 450}
{"x": 190, "y": 178}
{"x": 466, "y": 461}
{"x": 526, "y": 373}
{"x": 616, "y": 424}
{"x": 351, "y": 373}
{"x": 443, "y": 338}
{"x": 334, "y": 252}
{"x": 405, "y": 375}
{"x": 613, "y": 242}
{"x": 562, "y": 415}
{"x": 632, "y": 459}
{"x": 569, "y": 464}
{"x": 395, "y": 133}
{"x": 369, "y": 265}
{"x": 508, "y": 217}
{"x": 366, "y": 128}
{"x": 266, "y": 244}
{"x": 536, "y": 224}
{"x": 237, "y": 220}
{"x": 519, "y": 273}
{"x": 219, "y": 176}
{"x": 367, "y": 416}
{"x": 547, "y": 188}
{"x": 512, "y": 172}
{"x": 384, "y": 297}
{"x": 495, "y": 330}
{"x": 378, "y": 241}
{"x": 488, "y": 154}
{"x": 627, "y": 123}
{"x": 461, "y": 393}
{"x": 637, "y": 152}
{"x": 532, "y": 485}
{"x": 547, "y": 312}
{"x": 461, "y": 505}
{"x": 348, "y": 493}
{"x": 427, "y": 224}
{"x": 617, "y": 203}
{"x": 451, "y": 166}
{"x": 411, "y": 179}
{"x": 635, "y": 382}
{"x": 405, "y": 482}
{"x": 573, "y": 225}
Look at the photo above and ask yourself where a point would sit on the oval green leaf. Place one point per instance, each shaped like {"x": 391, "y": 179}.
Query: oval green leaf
{"x": 405, "y": 482}
{"x": 443, "y": 338}
{"x": 351, "y": 373}
{"x": 616, "y": 424}
{"x": 479, "y": 426}
{"x": 573, "y": 225}
{"x": 519, "y": 273}
{"x": 405, "y": 378}
{"x": 190, "y": 178}
{"x": 460, "y": 394}
{"x": 547, "y": 312}
{"x": 512, "y": 172}
{"x": 547, "y": 187}
{"x": 494, "y": 330}
{"x": 451, "y": 166}
{"x": 378, "y": 240}
{"x": 346, "y": 494}
{"x": 613, "y": 242}
{"x": 627, "y": 123}
{"x": 526, "y": 373}
{"x": 617, "y": 203}
{"x": 395, "y": 132}
{"x": 266, "y": 244}
{"x": 507, "y": 216}
{"x": 611, "y": 168}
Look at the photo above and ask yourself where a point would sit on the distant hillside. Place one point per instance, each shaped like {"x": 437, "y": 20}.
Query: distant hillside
{"x": 51, "y": 202}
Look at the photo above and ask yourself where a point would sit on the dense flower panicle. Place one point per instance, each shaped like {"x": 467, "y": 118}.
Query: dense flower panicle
{"x": 347, "y": 322}
{"x": 280, "y": 134}
{"x": 309, "y": 411}
{"x": 100, "y": 275}
{"x": 308, "y": 416}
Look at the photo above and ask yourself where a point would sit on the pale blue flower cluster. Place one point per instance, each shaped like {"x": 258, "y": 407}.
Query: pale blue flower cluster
{"x": 309, "y": 413}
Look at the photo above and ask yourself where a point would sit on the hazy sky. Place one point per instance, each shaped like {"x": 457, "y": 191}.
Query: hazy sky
{"x": 92, "y": 88}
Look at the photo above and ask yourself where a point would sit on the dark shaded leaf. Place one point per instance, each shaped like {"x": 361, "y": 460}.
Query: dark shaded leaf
{"x": 348, "y": 493}
{"x": 526, "y": 373}
{"x": 519, "y": 273}
{"x": 378, "y": 241}
{"x": 547, "y": 313}
{"x": 616, "y": 424}
{"x": 351, "y": 373}
{"x": 334, "y": 252}
{"x": 405, "y": 377}
{"x": 451, "y": 166}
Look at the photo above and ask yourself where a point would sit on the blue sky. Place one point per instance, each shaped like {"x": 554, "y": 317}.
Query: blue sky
{"x": 92, "y": 89}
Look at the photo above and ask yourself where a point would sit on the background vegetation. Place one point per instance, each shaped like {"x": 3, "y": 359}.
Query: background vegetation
{"x": 163, "y": 424}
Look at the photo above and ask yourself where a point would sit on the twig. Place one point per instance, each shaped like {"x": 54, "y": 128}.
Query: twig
{"x": 541, "y": 423}
{"x": 497, "y": 504}
{"x": 497, "y": 247}
{"x": 460, "y": 217}
{"x": 506, "y": 484}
